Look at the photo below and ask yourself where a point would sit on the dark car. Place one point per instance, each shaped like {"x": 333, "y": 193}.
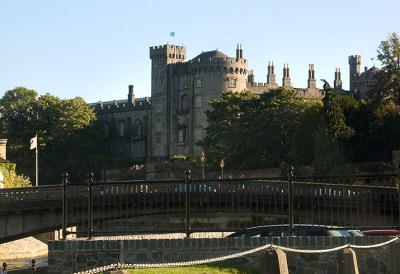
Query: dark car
{"x": 283, "y": 230}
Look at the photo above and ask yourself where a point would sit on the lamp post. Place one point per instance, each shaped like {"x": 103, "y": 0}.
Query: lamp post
{"x": 202, "y": 159}
{"x": 222, "y": 164}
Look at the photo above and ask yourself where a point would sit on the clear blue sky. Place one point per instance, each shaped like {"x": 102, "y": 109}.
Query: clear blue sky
{"x": 95, "y": 49}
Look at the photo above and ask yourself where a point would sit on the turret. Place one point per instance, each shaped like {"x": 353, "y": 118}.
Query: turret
{"x": 311, "y": 83}
{"x": 286, "y": 76}
{"x": 237, "y": 52}
{"x": 131, "y": 96}
{"x": 161, "y": 58}
{"x": 250, "y": 77}
{"x": 337, "y": 83}
{"x": 355, "y": 64}
{"x": 271, "y": 79}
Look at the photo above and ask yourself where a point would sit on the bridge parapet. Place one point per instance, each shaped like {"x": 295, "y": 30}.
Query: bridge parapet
{"x": 133, "y": 207}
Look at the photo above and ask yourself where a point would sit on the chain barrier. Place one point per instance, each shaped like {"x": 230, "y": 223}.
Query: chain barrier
{"x": 119, "y": 266}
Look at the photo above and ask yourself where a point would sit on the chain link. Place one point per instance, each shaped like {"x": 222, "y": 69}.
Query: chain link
{"x": 118, "y": 266}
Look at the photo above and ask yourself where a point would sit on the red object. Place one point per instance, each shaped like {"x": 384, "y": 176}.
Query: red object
{"x": 382, "y": 232}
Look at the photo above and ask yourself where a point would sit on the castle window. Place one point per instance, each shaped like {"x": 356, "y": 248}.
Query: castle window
{"x": 197, "y": 101}
{"x": 185, "y": 103}
{"x": 182, "y": 135}
{"x": 158, "y": 138}
{"x": 199, "y": 83}
{"x": 232, "y": 82}
{"x": 121, "y": 128}
{"x": 138, "y": 128}
{"x": 198, "y": 133}
{"x": 106, "y": 130}
{"x": 184, "y": 83}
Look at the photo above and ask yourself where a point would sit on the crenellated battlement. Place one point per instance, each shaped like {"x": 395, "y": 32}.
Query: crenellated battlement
{"x": 123, "y": 105}
{"x": 168, "y": 51}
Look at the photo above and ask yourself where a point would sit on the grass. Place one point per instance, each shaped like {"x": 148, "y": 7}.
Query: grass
{"x": 202, "y": 269}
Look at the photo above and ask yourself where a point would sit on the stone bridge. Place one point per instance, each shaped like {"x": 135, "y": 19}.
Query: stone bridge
{"x": 203, "y": 205}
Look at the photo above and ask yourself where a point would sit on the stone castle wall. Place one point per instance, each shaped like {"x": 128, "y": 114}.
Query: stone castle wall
{"x": 77, "y": 255}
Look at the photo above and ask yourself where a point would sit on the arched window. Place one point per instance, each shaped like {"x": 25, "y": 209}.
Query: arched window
{"x": 138, "y": 131}
{"x": 121, "y": 128}
{"x": 106, "y": 130}
{"x": 185, "y": 103}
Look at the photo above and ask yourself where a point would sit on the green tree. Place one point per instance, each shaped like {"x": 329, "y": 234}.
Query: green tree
{"x": 69, "y": 139}
{"x": 253, "y": 131}
{"x": 330, "y": 135}
{"x": 387, "y": 87}
{"x": 224, "y": 134}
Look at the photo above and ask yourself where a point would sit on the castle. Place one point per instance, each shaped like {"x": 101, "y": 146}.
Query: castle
{"x": 173, "y": 120}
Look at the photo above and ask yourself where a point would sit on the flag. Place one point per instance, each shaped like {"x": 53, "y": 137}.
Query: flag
{"x": 172, "y": 34}
{"x": 33, "y": 142}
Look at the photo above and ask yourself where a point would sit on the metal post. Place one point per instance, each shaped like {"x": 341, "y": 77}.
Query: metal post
{"x": 398, "y": 191}
{"x": 37, "y": 164}
{"x": 64, "y": 183}
{"x": 90, "y": 205}
{"x": 187, "y": 201}
{"x": 202, "y": 159}
{"x": 290, "y": 197}
{"x": 33, "y": 265}
{"x": 222, "y": 164}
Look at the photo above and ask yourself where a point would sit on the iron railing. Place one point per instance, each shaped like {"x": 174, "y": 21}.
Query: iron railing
{"x": 187, "y": 206}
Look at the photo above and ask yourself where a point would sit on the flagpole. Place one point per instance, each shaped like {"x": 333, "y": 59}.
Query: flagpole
{"x": 37, "y": 153}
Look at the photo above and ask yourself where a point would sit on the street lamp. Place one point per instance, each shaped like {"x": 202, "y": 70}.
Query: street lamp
{"x": 202, "y": 159}
{"x": 222, "y": 164}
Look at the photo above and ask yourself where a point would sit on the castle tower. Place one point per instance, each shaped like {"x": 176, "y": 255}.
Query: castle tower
{"x": 131, "y": 96}
{"x": 286, "y": 77}
{"x": 337, "y": 83}
{"x": 271, "y": 79}
{"x": 311, "y": 83}
{"x": 250, "y": 77}
{"x": 162, "y": 57}
{"x": 355, "y": 64}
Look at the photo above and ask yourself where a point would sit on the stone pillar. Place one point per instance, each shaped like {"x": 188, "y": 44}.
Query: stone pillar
{"x": 3, "y": 148}
{"x": 274, "y": 262}
{"x": 394, "y": 262}
{"x": 347, "y": 261}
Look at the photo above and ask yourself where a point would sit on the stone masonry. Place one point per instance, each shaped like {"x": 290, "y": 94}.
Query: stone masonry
{"x": 76, "y": 255}
{"x": 173, "y": 120}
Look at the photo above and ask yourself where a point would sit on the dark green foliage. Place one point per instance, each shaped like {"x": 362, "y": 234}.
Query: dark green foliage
{"x": 277, "y": 128}
{"x": 250, "y": 131}
{"x": 388, "y": 79}
{"x": 330, "y": 135}
{"x": 69, "y": 137}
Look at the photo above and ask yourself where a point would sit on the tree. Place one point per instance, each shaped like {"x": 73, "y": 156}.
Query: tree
{"x": 387, "y": 87}
{"x": 68, "y": 137}
{"x": 11, "y": 179}
{"x": 251, "y": 131}
{"x": 330, "y": 135}
{"x": 224, "y": 134}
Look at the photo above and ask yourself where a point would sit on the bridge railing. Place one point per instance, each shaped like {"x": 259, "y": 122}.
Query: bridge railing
{"x": 187, "y": 206}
